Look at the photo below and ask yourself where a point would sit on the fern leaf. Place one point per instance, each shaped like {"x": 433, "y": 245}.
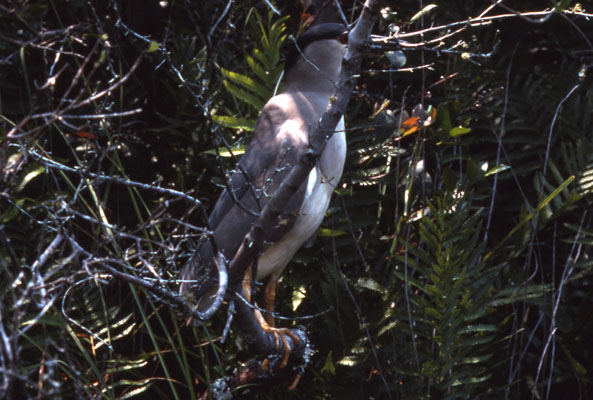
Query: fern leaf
{"x": 245, "y": 96}
{"x": 234, "y": 122}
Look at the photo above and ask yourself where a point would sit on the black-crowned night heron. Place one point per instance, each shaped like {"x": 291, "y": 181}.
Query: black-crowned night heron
{"x": 280, "y": 138}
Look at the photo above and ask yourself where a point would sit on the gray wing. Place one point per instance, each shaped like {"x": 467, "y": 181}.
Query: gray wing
{"x": 264, "y": 166}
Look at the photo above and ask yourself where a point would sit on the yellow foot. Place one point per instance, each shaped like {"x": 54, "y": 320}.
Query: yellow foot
{"x": 279, "y": 336}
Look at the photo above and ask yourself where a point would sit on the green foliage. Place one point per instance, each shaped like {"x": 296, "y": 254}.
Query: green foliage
{"x": 452, "y": 288}
{"x": 265, "y": 67}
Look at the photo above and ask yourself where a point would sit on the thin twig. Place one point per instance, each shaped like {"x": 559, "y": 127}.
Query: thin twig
{"x": 100, "y": 177}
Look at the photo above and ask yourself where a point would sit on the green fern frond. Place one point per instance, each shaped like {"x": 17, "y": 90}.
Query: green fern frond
{"x": 245, "y": 82}
{"x": 265, "y": 70}
{"x": 453, "y": 299}
{"x": 245, "y": 95}
{"x": 234, "y": 122}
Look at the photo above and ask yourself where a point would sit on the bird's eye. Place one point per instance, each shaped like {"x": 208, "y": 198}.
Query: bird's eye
{"x": 343, "y": 38}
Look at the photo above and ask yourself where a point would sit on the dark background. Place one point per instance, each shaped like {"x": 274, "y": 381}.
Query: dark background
{"x": 448, "y": 266}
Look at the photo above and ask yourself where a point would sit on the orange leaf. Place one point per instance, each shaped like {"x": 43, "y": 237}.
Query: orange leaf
{"x": 86, "y": 135}
{"x": 410, "y": 122}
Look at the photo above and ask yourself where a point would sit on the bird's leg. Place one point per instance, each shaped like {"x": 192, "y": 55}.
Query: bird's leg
{"x": 268, "y": 326}
{"x": 279, "y": 335}
{"x": 268, "y": 323}
{"x": 247, "y": 289}
{"x": 269, "y": 301}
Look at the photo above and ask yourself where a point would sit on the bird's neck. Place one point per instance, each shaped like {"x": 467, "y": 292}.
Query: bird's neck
{"x": 318, "y": 70}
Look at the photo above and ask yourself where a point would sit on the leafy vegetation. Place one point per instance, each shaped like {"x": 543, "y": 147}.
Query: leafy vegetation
{"x": 455, "y": 258}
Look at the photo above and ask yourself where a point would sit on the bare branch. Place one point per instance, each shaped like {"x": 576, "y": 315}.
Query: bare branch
{"x": 100, "y": 177}
{"x": 153, "y": 287}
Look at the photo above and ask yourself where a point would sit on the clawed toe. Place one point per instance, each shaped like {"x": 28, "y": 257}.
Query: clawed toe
{"x": 279, "y": 336}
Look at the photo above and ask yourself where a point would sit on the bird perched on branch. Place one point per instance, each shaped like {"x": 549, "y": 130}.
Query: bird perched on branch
{"x": 280, "y": 139}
